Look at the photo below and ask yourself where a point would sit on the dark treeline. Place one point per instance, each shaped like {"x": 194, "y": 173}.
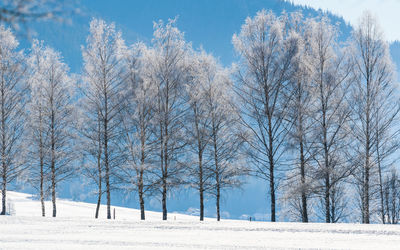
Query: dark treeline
{"x": 314, "y": 117}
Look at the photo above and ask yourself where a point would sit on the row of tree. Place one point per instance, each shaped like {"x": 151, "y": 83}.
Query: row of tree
{"x": 313, "y": 116}
{"x": 145, "y": 108}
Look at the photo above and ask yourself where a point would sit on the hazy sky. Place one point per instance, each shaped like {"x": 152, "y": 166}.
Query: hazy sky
{"x": 387, "y": 12}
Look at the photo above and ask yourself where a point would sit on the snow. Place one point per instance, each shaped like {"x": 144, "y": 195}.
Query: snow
{"x": 75, "y": 228}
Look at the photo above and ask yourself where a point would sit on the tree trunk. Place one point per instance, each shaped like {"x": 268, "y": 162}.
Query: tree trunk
{"x": 141, "y": 201}
{"x": 272, "y": 191}
{"x": 165, "y": 176}
{"x": 3, "y": 153}
{"x": 218, "y": 200}
{"x": 201, "y": 204}
{"x": 200, "y": 157}
{"x": 271, "y": 168}
{"x": 394, "y": 200}
{"x": 164, "y": 187}
{"x": 327, "y": 176}
{"x": 380, "y": 172}
{"x": 41, "y": 159}
{"x": 304, "y": 213}
{"x": 387, "y": 203}
{"x": 53, "y": 175}
{"x": 333, "y": 209}
{"x": 382, "y": 208}
{"x": 98, "y": 203}
{"x": 99, "y": 170}
{"x": 53, "y": 181}
{"x": 366, "y": 191}
{"x": 326, "y": 169}
{"x": 164, "y": 198}
{"x": 53, "y": 161}
{"x": 106, "y": 160}
{"x": 41, "y": 188}
{"x": 142, "y": 163}
{"x": 3, "y": 195}
{"x": 107, "y": 181}
{"x": 217, "y": 178}
{"x": 367, "y": 166}
{"x": 327, "y": 199}
{"x": 141, "y": 193}
{"x": 53, "y": 190}
{"x": 365, "y": 198}
{"x": 201, "y": 188}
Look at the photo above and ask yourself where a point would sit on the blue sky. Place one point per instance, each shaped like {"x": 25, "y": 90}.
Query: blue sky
{"x": 207, "y": 23}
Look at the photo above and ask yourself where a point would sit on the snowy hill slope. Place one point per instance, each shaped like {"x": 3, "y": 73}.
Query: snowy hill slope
{"x": 22, "y": 204}
{"x": 75, "y": 228}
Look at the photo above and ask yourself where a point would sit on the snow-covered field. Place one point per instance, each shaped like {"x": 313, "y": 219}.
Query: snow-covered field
{"x": 75, "y": 228}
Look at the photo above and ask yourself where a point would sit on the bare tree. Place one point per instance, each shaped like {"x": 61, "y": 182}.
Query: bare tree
{"x": 267, "y": 51}
{"x": 138, "y": 126}
{"x": 299, "y": 182}
{"x": 166, "y": 69}
{"x": 213, "y": 130}
{"x": 203, "y": 72}
{"x": 12, "y": 101}
{"x": 373, "y": 73}
{"x": 104, "y": 77}
{"x": 386, "y": 109}
{"x": 36, "y": 124}
{"x": 330, "y": 82}
{"x": 391, "y": 197}
{"x": 386, "y": 141}
{"x": 53, "y": 88}
{"x": 228, "y": 165}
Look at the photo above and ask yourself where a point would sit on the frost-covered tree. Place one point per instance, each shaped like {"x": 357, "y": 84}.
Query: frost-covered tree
{"x": 208, "y": 83}
{"x": 225, "y": 151}
{"x": 12, "y": 101}
{"x": 267, "y": 49}
{"x": 37, "y": 133}
{"x": 167, "y": 70}
{"x": 104, "y": 75}
{"x": 299, "y": 180}
{"x": 203, "y": 69}
{"x": 51, "y": 111}
{"x": 138, "y": 128}
{"x": 391, "y": 197}
{"x": 374, "y": 108}
{"x": 387, "y": 142}
{"x": 331, "y": 114}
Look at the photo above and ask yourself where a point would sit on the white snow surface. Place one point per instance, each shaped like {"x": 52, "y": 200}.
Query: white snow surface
{"x": 75, "y": 228}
